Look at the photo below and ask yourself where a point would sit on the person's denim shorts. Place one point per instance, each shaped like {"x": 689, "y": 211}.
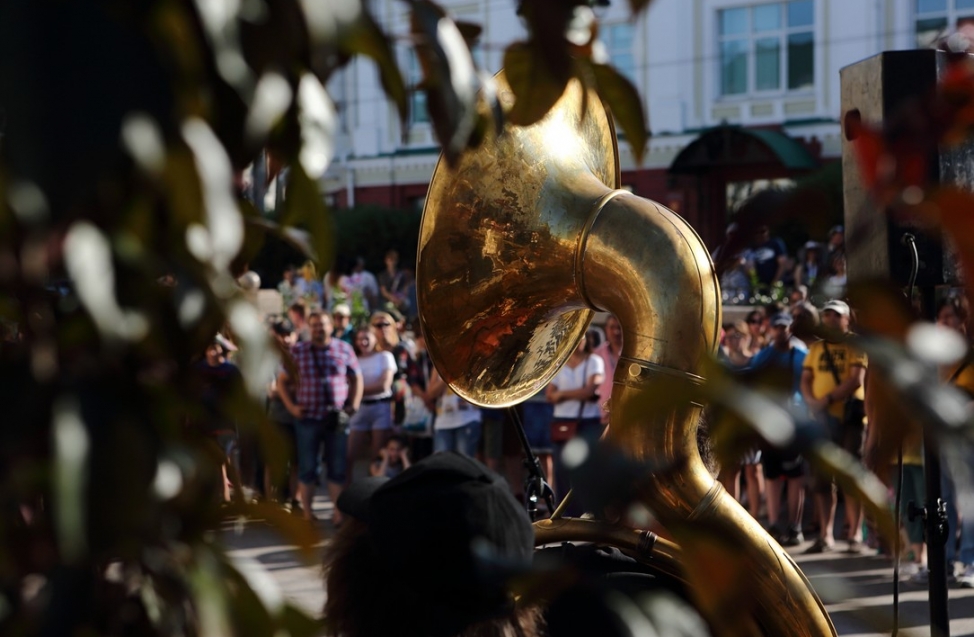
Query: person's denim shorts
{"x": 309, "y": 436}
{"x": 463, "y": 439}
{"x": 537, "y": 418}
{"x": 375, "y": 416}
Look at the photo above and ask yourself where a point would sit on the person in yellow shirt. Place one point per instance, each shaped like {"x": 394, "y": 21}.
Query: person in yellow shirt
{"x": 832, "y": 376}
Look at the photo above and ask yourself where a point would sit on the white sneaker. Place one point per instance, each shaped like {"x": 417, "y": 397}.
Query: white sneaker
{"x": 908, "y": 570}
{"x": 922, "y": 576}
{"x": 967, "y": 579}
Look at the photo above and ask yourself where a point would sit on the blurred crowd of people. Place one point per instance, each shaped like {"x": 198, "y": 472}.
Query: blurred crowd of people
{"x": 357, "y": 395}
{"x": 349, "y": 283}
{"x": 808, "y": 353}
{"x": 760, "y": 268}
{"x": 363, "y": 399}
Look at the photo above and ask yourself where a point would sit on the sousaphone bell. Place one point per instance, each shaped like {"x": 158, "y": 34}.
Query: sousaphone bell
{"x": 520, "y": 243}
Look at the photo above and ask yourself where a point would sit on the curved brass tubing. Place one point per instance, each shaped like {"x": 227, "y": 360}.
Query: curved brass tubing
{"x": 519, "y": 244}
{"x": 643, "y": 546}
{"x": 646, "y": 265}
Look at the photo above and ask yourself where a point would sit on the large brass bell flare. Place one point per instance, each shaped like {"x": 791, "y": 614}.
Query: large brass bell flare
{"x": 499, "y": 305}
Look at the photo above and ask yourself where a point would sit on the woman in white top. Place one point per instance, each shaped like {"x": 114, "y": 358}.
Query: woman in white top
{"x": 457, "y": 425}
{"x": 574, "y": 393}
{"x": 374, "y": 419}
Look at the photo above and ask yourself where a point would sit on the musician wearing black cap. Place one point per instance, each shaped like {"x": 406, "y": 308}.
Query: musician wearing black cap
{"x": 429, "y": 553}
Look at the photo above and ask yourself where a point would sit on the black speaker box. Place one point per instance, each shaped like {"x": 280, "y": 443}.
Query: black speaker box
{"x": 873, "y": 90}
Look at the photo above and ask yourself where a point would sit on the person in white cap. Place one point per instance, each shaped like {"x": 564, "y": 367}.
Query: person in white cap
{"x": 832, "y": 387}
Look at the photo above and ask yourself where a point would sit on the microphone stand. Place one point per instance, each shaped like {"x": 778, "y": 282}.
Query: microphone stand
{"x": 934, "y": 513}
{"x": 535, "y": 486}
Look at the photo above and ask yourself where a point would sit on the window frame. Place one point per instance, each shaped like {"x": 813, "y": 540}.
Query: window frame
{"x": 614, "y": 50}
{"x": 751, "y": 37}
{"x": 414, "y": 71}
{"x": 952, "y": 16}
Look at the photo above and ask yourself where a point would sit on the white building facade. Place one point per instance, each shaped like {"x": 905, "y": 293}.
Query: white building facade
{"x": 737, "y": 92}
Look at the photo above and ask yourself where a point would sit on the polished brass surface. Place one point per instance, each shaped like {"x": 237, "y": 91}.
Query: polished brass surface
{"x": 519, "y": 244}
{"x": 644, "y": 546}
{"x": 495, "y": 248}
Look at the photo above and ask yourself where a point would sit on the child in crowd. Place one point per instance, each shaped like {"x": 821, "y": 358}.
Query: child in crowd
{"x": 393, "y": 458}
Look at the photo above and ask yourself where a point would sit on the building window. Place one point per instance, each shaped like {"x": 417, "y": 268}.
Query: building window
{"x": 618, "y": 44}
{"x": 767, "y": 47}
{"x": 936, "y": 18}
{"x": 418, "y": 113}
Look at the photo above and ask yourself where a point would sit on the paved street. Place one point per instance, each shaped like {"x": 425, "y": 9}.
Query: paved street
{"x": 857, "y": 590}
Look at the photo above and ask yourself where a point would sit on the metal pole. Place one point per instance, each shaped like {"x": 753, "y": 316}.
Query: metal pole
{"x": 935, "y": 518}
{"x": 934, "y": 513}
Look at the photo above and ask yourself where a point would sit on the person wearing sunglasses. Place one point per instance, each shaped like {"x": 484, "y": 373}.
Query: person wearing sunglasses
{"x": 386, "y": 330}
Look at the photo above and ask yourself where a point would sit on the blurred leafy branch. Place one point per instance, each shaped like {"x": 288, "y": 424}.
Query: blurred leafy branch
{"x": 126, "y": 129}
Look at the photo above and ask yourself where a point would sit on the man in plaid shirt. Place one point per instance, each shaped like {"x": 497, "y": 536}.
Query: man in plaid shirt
{"x": 329, "y": 390}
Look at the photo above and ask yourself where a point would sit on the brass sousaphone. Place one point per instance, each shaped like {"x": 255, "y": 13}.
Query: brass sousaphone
{"x": 519, "y": 244}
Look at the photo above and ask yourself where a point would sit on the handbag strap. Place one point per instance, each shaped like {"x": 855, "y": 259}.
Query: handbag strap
{"x": 581, "y": 403}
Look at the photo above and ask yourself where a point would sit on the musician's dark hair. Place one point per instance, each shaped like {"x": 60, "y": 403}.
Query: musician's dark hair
{"x": 366, "y": 598}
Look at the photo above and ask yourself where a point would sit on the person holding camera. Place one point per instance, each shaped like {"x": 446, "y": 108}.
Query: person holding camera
{"x": 574, "y": 393}
{"x": 329, "y": 391}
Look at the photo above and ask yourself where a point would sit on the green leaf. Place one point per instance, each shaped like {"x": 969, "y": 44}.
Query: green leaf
{"x": 209, "y": 593}
{"x": 626, "y": 105}
{"x": 220, "y": 26}
{"x": 368, "y": 39}
{"x": 319, "y": 123}
{"x": 255, "y": 597}
{"x": 254, "y": 234}
{"x": 72, "y": 446}
{"x": 305, "y": 206}
{"x": 535, "y": 89}
{"x": 295, "y": 237}
{"x": 450, "y": 78}
{"x": 470, "y": 31}
{"x": 273, "y": 35}
{"x": 639, "y": 6}
{"x": 298, "y": 623}
{"x": 183, "y": 188}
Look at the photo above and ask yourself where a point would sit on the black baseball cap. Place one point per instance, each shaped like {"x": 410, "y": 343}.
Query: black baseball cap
{"x": 453, "y": 525}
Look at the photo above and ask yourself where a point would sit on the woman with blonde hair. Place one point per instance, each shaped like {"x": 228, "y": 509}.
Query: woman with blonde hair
{"x": 309, "y": 287}
{"x": 386, "y": 330}
{"x": 373, "y": 422}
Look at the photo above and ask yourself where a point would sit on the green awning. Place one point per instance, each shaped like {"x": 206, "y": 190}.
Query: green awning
{"x": 727, "y": 145}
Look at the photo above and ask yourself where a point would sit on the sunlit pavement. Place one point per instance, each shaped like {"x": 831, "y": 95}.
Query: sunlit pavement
{"x": 298, "y": 578}
{"x": 858, "y": 593}
{"x": 857, "y": 589}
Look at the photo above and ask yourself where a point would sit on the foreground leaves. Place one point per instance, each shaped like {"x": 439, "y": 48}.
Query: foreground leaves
{"x": 535, "y": 90}
{"x": 626, "y": 106}
{"x": 305, "y": 207}
{"x": 450, "y": 79}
